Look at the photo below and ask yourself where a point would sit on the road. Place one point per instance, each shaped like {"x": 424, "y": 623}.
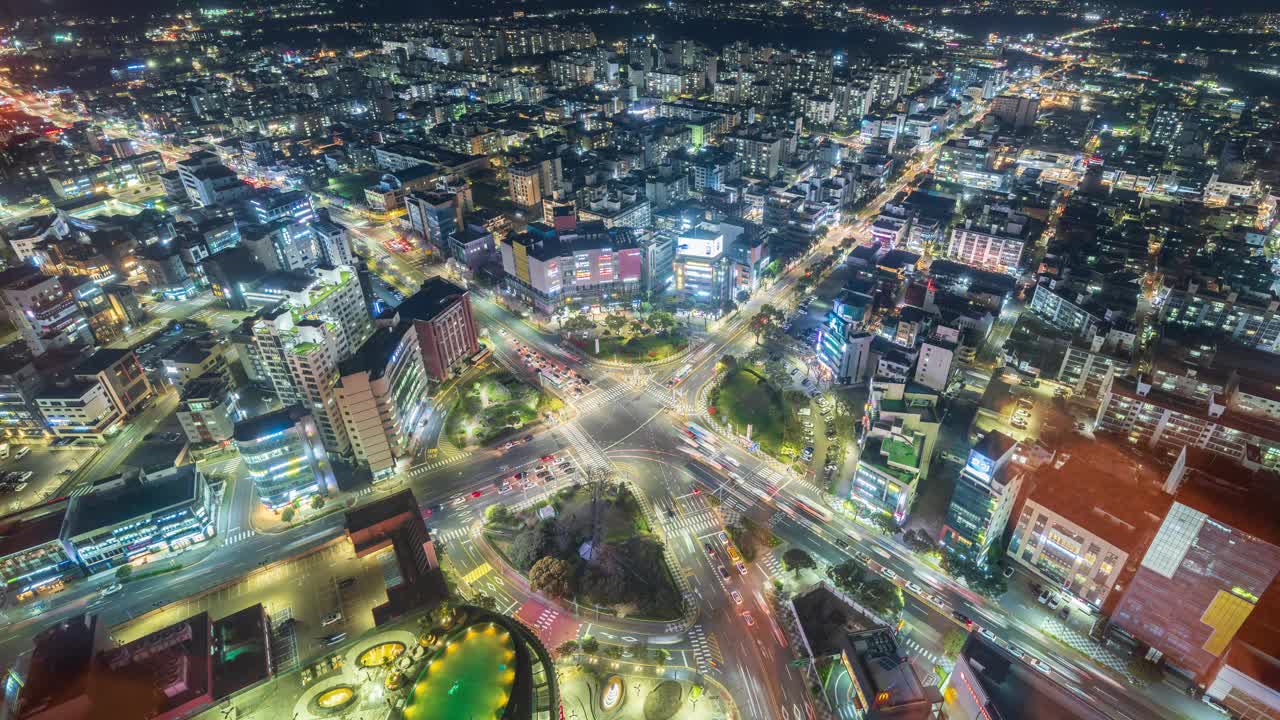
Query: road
{"x": 632, "y": 422}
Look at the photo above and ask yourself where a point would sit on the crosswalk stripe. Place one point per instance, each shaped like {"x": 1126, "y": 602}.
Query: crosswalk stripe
{"x": 477, "y": 573}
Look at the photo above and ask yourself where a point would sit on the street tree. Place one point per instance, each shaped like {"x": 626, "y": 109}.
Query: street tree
{"x": 796, "y": 560}
{"x": 661, "y": 321}
{"x": 742, "y": 296}
{"x": 552, "y": 576}
{"x": 577, "y": 324}
{"x": 615, "y": 322}
{"x": 953, "y": 641}
{"x": 885, "y": 523}
{"x": 498, "y": 515}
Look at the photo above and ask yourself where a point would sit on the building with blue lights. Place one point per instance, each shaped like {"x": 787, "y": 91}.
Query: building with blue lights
{"x": 285, "y": 456}
{"x": 984, "y": 496}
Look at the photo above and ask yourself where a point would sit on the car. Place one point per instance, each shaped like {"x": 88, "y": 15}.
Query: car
{"x": 26, "y": 475}
{"x": 988, "y": 635}
{"x": 914, "y": 588}
{"x": 333, "y": 639}
{"x": 737, "y": 597}
{"x": 862, "y": 557}
{"x": 20, "y": 487}
{"x": 111, "y": 589}
{"x": 330, "y": 619}
{"x": 1020, "y": 424}
{"x": 746, "y": 615}
{"x": 347, "y": 582}
{"x": 504, "y": 488}
{"x": 1016, "y": 651}
{"x": 476, "y": 493}
{"x": 965, "y": 619}
{"x": 723, "y": 537}
{"x": 709, "y": 548}
{"x": 547, "y": 459}
{"x": 1043, "y": 599}
{"x": 1008, "y": 572}
{"x": 723, "y": 572}
{"x": 22, "y": 452}
{"x": 889, "y": 573}
{"x": 742, "y": 568}
{"x": 840, "y": 543}
{"x": 937, "y": 600}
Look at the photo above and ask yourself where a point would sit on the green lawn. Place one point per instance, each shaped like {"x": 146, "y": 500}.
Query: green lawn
{"x": 638, "y": 348}
{"x": 494, "y": 405}
{"x": 745, "y": 397}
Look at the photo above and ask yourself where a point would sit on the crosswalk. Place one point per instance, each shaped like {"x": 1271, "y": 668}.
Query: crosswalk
{"x": 284, "y": 644}
{"x": 589, "y": 453}
{"x": 454, "y": 534}
{"x": 237, "y": 535}
{"x": 701, "y": 652}
{"x": 772, "y": 566}
{"x": 662, "y": 394}
{"x": 918, "y": 650}
{"x": 546, "y": 619}
{"x": 84, "y": 489}
{"x": 600, "y": 398}
{"x": 696, "y": 523}
{"x": 436, "y": 464}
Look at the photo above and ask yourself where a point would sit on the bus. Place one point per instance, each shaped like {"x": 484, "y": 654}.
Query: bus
{"x": 813, "y": 511}
{"x": 680, "y": 374}
{"x": 699, "y": 432}
{"x": 689, "y": 442}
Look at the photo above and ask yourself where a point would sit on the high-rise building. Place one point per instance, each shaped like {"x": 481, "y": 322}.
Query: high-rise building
{"x": 434, "y": 216}
{"x": 525, "y": 184}
{"x": 382, "y": 394}
{"x": 285, "y": 456}
{"x": 1016, "y": 110}
{"x": 759, "y": 149}
{"x": 444, "y": 324}
{"x": 332, "y": 240}
{"x": 984, "y": 496}
{"x": 325, "y": 294}
{"x": 312, "y": 358}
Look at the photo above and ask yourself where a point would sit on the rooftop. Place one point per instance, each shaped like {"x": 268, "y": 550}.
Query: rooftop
{"x": 272, "y": 422}
{"x": 435, "y": 296}
{"x": 134, "y": 498}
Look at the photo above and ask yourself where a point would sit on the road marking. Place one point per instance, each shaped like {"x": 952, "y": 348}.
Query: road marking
{"x": 477, "y": 573}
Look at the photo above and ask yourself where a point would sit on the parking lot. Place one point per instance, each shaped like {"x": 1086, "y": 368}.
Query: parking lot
{"x": 320, "y": 594}
{"x": 49, "y": 468}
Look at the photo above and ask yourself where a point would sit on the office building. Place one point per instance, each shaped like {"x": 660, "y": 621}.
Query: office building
{"x": 843, "y": 346}
{"x": 78, "y": 410}
{"x": 1214, "y": 554}
{"x": 208, "y": 410}
{"x": 1016, "y": 110}
{"x": 20, "y": 384}
{"x": 135, "y": 518}
{"x": 989, "y": 683}
{"x": 332, "y": 240}
{"x": 383, "y": 395}
{"x": 984, "y": 496}
{"x": 444, "y": 324}
{"x": 285, "y": 456}
{"x": 122, "y": 377}
{"x": 437, "y": 215}
{"x": 45, "y": 314}
{"x": 1087, "y": 519}
{"x": 699, "y": 268}
{"x": 33, "y": 560}
{"x": 209, "y": 183}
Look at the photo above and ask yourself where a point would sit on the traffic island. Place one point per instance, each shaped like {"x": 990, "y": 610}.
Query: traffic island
{"x": 744, "y": 398}
{"x": 495, "y": 405}
{"x": 598, "y": 549}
